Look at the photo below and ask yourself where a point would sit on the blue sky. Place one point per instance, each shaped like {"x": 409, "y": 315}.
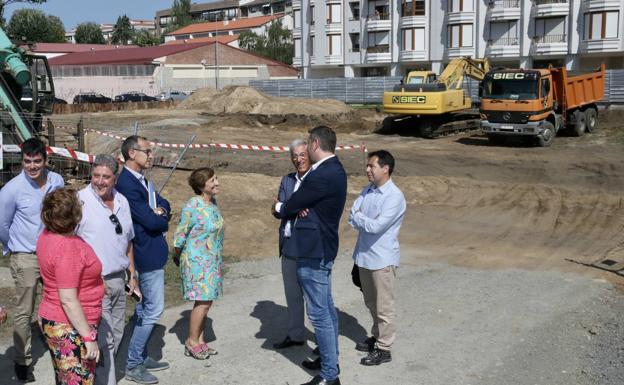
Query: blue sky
{"x": 73, "y": 12}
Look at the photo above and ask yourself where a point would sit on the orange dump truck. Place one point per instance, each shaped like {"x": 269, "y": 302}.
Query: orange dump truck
{"x": 536, "y": 103}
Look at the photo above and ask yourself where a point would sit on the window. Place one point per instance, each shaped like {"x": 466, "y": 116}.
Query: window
{"x": 378, "y": 42}
{"x": 311, "y": 15}
{"x": 355, "y": 42}
{"x": 460, "y": 35}
{"x": 334, "y": 44}
{"x": 296, "y": 17}
{"x": 378, "y": 10}
{"x": 311, "y": 46}
{"x": 355, "y": 10}
{"x": 550, "y": 30}
{"x": 374, "y": 71}
{"x": 601, "y": 25}
{"x": 413, "y": 39}
{"x": 413, "y": 8}
{"x": 503, "y": 33}
{"x": 333, "y": 13}
{"x": 460, "y": 5}
{"x": 297, "y": 44}
{"x": 545, "y": 88}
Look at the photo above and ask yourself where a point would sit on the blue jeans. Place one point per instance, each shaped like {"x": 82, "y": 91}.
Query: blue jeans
{"x": 146, "y": 314}
{"x": 315, "y": 279}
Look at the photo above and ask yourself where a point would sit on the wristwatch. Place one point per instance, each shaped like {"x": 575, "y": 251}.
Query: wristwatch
{"x": 91, "y": 337}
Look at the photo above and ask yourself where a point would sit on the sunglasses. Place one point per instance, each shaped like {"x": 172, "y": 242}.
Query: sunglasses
{"x": 118, "y": 229}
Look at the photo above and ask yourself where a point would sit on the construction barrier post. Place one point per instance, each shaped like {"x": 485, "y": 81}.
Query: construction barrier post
{"x": 51, "y": 133}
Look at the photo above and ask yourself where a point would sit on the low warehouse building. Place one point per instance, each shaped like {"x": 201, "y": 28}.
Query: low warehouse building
{"x": 183, "y": 67}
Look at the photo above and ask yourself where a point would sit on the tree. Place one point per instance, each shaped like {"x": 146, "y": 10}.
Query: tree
{"x": 89, "y": 33}
{"x": 276, "y": 43}
{"x": 34, "y": 26}
{"x": 123, "y": 31}
{"x": 181, "y": 12}
{"x": 56, "y": 30}
{"x": 4, "y": 3}
{"x": 145, "y": 38}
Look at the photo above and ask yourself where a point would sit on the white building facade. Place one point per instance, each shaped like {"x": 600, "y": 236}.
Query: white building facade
{"x": 352, "y": 38}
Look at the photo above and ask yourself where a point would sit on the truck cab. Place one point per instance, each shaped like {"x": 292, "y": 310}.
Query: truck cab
{"x": 519, "y": 102}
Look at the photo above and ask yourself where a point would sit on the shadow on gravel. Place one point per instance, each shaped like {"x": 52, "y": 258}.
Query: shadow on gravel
{"x": 274, "y": 324}
{"x": 38, "y": 350}
{"x": 181, "y": 328}
{"x": 482, "y": 140}
{"x": 154, "y": 347}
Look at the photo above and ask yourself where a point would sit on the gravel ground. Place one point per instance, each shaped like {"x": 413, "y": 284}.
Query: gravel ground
{"x": 456, "y": 326}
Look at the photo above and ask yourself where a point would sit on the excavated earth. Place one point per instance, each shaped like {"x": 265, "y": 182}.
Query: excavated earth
{"x": 495, "y": 242}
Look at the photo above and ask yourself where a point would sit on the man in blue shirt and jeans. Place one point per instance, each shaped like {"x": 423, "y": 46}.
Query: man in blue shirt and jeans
{"x": 377, "y": 215}
{"x": 20, "y": 226}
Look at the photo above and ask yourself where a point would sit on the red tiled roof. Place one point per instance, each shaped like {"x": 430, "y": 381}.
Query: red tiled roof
{"x": 225, "y": 39}
{"x": 70, "y": 48}
{"x": 140, "y": 55}
{"x": 245, "y": 23}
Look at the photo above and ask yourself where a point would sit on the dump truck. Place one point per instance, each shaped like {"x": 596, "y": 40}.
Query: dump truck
{"x": 437, "y": 105}
{"x": 537, "y": 103}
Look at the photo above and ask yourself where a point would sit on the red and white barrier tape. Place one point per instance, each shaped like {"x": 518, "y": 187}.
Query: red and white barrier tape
{"x": 251, "y": 147}
{"x": 64, "y": 152}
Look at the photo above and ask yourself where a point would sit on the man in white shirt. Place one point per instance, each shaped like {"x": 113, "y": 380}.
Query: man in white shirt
{"x": 107, "y": 227}
{"x": 377, "y": 215}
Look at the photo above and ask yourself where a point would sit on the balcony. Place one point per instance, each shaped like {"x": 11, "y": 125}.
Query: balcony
{"x": 378, "y": 22}
{"x": 413, "y": 21}
{"x": 504, "y": 10}
{"x": 600, "y": 45}
{"x": 378, "y": 54}
{"x": 296, "y": 33}
{"x": 503, "y": 47}
{"x": 550, "y": 45}
{"x": 408, "y": 55}
{"x": 543, "y": 8}
{"x": 296, "y": 61}
{"x": 296, "y": 4}
{"x": 600, "y": 5}
{"x": 461, "y": 17}
{"x": 333, "y": 27}
{"x": 333, "y": 59}
{"x": 454, "y": 52}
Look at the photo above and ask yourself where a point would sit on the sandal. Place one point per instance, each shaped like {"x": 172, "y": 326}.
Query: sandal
{"x": 210, "y": 351}
{"x": 197, "y": 352}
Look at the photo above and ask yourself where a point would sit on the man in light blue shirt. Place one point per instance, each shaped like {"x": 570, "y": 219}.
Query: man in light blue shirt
{"x": 377, "y": 215}
{"x": 20, "y": 226}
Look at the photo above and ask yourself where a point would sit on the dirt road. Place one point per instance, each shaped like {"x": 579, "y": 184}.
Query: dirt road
{"x": 488, "y": 292}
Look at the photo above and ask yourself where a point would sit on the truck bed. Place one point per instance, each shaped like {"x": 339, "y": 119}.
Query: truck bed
{"x": 575, "y": 91}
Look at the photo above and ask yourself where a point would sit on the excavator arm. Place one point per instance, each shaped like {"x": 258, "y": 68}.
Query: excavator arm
{"x": 453, "y": 75}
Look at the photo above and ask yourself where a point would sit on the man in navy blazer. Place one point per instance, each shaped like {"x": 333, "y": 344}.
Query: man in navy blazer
{"x": 292, "y": 288}
{"x": 150, "y": 216}
{"x": 319, "y": 203}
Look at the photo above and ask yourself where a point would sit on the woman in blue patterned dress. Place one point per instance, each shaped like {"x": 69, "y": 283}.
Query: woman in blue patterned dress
{"x": 198, "y": 242}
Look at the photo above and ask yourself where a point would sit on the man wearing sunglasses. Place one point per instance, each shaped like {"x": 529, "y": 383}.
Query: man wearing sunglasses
{"x": 150, "y": 217}
{"x": 107, "y": 227}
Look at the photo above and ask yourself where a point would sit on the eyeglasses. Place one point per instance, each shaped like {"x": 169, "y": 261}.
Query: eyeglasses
{"x": 118, "y": 229}
{"x": 147, "y": 152}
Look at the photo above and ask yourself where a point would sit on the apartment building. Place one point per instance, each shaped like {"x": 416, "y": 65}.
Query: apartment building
{"x": 351, "y": 38}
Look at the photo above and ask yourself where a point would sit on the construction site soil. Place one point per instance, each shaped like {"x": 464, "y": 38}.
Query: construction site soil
{"x": 471, "y": 205}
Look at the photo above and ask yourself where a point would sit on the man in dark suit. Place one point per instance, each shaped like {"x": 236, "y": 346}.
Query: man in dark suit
{"x": 294, "y": 295}
{"x": 319, "y": 203}
{"x": 150, "y": 217}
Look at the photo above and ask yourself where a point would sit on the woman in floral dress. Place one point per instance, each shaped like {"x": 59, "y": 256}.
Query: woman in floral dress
{"x": 198, "y": 241}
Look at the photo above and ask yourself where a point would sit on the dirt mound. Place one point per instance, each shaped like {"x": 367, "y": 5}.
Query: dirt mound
{"x": 248, "y": 100}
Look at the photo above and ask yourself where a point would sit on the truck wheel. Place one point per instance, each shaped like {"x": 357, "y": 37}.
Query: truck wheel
{"x": 546, "y": 138}
{"x": 496, "y": 140}
{"x": 590, "y": 119}
{"x": 579, "y": 123}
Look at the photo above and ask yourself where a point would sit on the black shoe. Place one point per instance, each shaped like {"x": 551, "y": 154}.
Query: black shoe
{"x": 287, "y": 343}
{"x": 316, "y": 351}
{"x": 367, "y": 346}
{"x": 312, "y": 365}
{"x": 24, "y": 373}
{"x": 376, "y": 357}
{"x": 318, "y": 380}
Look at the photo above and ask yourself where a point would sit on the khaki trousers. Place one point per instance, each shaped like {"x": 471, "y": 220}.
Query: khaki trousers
{"x": 378, "y": 289}
{"x": 25, "y": 272}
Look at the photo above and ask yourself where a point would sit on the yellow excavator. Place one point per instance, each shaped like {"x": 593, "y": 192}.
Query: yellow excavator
{"x": 436, "y": 105}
